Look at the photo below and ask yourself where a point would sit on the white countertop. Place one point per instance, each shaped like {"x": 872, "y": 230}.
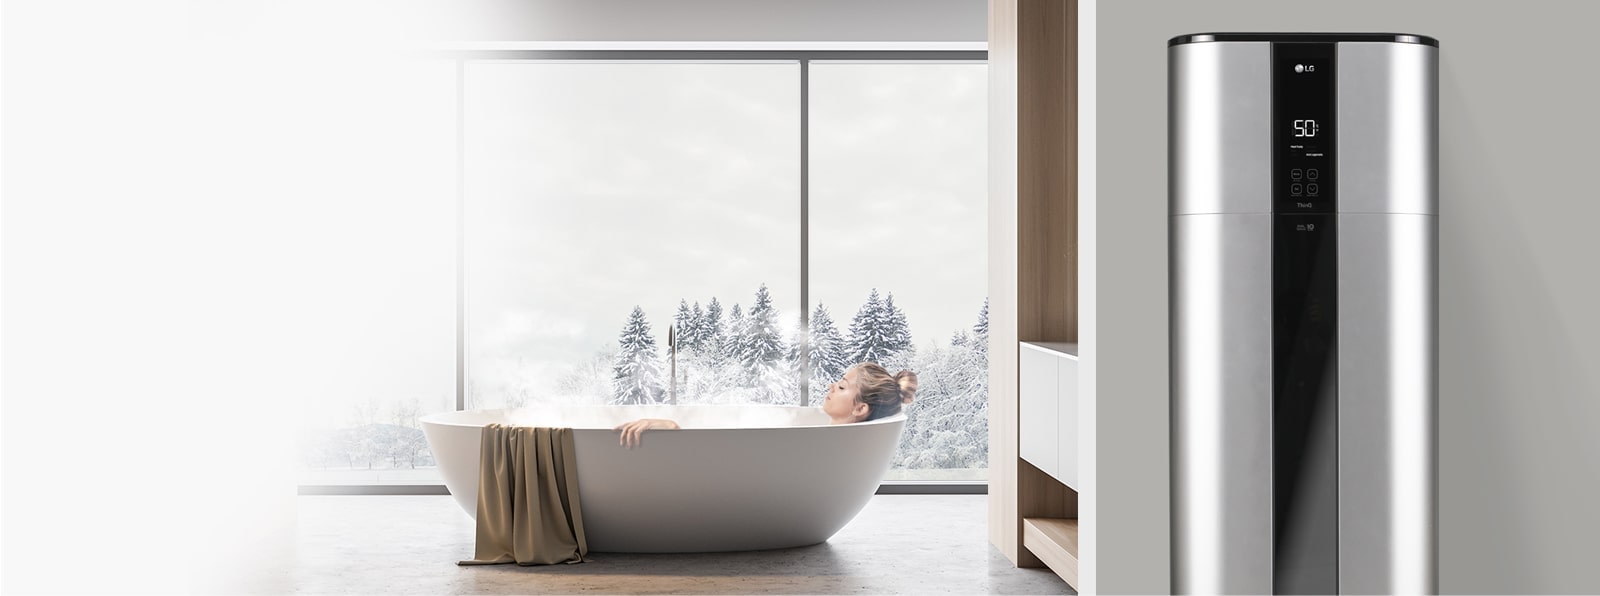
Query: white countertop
{"x": 1058, "y": 348}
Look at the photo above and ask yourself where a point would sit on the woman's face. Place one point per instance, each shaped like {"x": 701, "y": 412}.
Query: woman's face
{"x": 843, "y": 404}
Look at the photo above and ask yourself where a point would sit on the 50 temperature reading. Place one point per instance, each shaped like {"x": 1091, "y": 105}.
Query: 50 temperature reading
{"x": 1305, "y": 128}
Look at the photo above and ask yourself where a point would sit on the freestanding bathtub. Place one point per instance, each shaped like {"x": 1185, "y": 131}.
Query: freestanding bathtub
{"x": 747, "y": 477}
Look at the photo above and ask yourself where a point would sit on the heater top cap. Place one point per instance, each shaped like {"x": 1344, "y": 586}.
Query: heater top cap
{"x": 1304, "y": 37}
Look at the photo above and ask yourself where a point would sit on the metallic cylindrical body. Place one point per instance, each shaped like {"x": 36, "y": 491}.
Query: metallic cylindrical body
{"x": 1303, "y": 235}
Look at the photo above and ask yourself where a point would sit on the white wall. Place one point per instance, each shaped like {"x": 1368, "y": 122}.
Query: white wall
{"x": 1519, "y": 455}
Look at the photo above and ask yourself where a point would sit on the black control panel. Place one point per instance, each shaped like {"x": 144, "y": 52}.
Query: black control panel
{"x": 1305, "y": 310}
{"x": 1303, "y": 127}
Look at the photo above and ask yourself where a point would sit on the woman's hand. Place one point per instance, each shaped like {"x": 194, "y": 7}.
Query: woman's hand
{"x": 633, "y": 431}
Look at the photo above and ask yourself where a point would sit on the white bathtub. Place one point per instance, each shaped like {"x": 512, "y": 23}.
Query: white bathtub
{"x": 734, "y": 478}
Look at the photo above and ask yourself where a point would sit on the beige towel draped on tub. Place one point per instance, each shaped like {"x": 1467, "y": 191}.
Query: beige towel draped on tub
{"x": 528, "y": 510}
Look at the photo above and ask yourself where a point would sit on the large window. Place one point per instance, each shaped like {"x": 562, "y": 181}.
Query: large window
{"x": 592, "y": 204}
{"x": 898, "y": 241}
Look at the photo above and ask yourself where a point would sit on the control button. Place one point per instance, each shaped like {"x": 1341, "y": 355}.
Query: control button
{"x": 1310, "y": 174}
{"x": 1311, "y": 189}
{"x": 1294, "y": 189}
{"x": 1295, "y": 174}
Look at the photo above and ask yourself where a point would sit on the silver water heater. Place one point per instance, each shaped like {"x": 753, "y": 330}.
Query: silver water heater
{"x": 1303, "y": 236}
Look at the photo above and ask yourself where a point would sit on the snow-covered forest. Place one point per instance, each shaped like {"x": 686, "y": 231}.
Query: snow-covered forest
{"x": 742, "y": 356}
{"x": 731, "y": 354}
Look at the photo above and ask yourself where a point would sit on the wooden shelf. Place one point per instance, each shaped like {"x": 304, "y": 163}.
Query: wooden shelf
{"x": 1054, "y": 541}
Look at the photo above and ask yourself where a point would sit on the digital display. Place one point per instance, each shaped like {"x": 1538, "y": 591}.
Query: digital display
{"x": 1303, "y": 143}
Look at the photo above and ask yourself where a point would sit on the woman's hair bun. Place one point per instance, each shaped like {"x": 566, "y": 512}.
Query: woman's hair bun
{"x": 908, "y": 385}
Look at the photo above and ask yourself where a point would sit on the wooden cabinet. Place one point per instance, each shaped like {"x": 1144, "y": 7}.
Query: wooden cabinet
{"x": 1047, "y": 414}
{"x": 1033, "y": 278}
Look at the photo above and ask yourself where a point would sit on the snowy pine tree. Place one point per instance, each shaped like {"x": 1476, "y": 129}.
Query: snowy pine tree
{"x": 899, "y": 331}
{"x": 636, "y": 374}
{"x": 710, "y": 336}
{"x": 872, "y": 333}
{"x": 762, "y": 351}
{"x": 826, "y": 351}
{"x": 723, "y": 379}
{"x": 731, "y": 344}
{"x": 697, "y": 330}
{"x": 683, "y": 324}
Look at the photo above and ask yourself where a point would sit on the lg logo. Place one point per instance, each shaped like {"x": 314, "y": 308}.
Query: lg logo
{"x": 1305, "y": 68}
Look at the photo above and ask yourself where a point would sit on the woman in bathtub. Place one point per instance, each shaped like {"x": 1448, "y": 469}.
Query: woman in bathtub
{"x": 867, "y": 392}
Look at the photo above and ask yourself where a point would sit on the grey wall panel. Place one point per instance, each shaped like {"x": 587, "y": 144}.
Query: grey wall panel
{"x": 1221, "y": 403}
{"x": 1221, "y": 101}
{"x": 1388, "y": 390}
{"x": 1388, "y": 98}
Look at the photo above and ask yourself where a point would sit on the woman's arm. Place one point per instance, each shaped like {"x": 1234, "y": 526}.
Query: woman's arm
{"x": 633, "y": 431}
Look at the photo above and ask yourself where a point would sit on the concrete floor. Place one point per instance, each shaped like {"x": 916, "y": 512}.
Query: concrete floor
{"x": 922, "y": 544}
